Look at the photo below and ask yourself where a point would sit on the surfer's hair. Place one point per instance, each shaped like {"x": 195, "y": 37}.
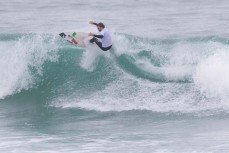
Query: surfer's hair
{"x": 101, "y": 25}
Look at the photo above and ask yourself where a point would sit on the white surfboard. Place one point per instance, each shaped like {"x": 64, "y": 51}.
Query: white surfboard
{"x": 77, "y": 38}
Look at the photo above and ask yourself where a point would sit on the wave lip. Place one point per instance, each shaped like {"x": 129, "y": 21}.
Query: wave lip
{"x": 21, "y": 61}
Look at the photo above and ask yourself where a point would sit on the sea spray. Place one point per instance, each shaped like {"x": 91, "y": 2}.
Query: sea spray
{"x": 22, "y": 60}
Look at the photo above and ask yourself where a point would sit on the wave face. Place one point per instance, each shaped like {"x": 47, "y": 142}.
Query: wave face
{"x": 160, "y": 75}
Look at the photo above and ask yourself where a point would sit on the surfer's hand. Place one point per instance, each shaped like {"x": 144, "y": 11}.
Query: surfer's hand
{"x": 91, "y": 22}
{"x": 90, "y": 34}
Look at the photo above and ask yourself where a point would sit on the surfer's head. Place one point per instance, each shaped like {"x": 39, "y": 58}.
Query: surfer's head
{"x": 100, "y": 26}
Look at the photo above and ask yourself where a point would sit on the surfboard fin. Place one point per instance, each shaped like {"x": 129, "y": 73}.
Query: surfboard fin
{"x": 63, "y": 35}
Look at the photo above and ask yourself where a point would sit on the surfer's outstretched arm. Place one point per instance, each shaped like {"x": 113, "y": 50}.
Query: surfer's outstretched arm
{"x": 92, "y": 22}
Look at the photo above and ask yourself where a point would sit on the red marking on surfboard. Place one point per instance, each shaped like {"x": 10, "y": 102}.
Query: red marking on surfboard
{"x": 74, "y": 41}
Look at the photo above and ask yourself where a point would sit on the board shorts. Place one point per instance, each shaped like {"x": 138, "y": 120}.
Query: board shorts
{"x": 99, "y": 44}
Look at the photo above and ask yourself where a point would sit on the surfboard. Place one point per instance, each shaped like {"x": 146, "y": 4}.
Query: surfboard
{"x": 76, "y": 38}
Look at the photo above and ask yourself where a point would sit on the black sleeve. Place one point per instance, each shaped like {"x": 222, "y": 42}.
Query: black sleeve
{"x": 94, "y": 23}
{"x": 98, "y": 36}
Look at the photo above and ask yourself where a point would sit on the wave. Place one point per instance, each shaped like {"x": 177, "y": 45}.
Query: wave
{"x": 160, "y": 75}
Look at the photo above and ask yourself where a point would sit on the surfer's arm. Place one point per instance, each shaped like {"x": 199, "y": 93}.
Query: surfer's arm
{"x": 92, "y": 22}
{"x": 98, "y": 36}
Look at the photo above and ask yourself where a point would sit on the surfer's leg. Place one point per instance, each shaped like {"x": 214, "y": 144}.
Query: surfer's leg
{"x": 99, "y": 44}
{"x": 93, "y": 40}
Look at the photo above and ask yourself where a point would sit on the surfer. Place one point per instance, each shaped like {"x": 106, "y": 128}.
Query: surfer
{"x": 105, "y": 43}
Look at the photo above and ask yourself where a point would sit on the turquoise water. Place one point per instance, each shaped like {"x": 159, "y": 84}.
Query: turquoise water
{"x": 162, "y": 88}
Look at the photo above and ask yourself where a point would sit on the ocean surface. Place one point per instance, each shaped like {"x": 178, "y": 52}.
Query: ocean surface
{"x": 162, "y": 88}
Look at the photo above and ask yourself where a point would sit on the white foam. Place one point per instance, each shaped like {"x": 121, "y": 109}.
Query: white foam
{"x": 90, "y": 57}
{"x": 129, "y": 93}
{"x": 13, "y": 67}
{"x": 122, "y": 45}
{"x": 17, "y": 57}
{"x": 212, "y": 75}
